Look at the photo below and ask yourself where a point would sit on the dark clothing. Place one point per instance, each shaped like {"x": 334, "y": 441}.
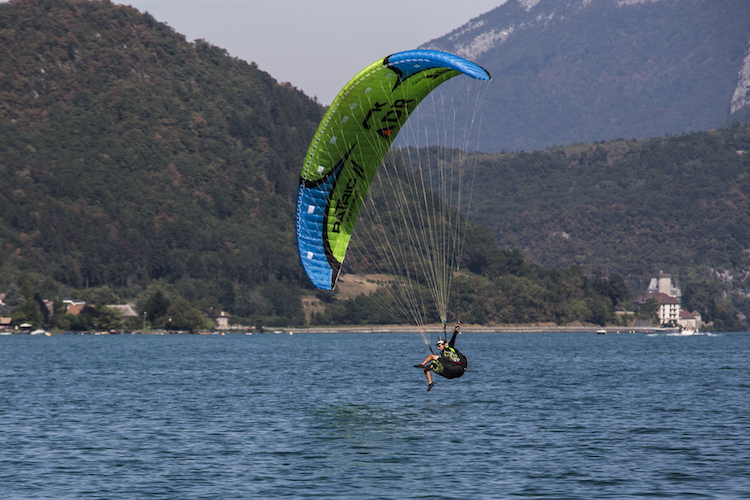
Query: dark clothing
{"x": 452, "y": 341}
{"x": 451, "y": 363}
{"x": 449, "y": 368}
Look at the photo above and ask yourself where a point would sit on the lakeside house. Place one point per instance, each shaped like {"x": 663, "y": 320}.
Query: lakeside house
{"x": 74, "y": 306}
{"x": 690, "y": 320}
{"x": 669, "y": 307}
{"x": 661, "y": 290}
{"x": 220, "y": 317}
{"x": 126, "y": 310}
{"x": 668, "y": 296}
{"x": 75, "y": 309}
{"x": 222, "y": 320}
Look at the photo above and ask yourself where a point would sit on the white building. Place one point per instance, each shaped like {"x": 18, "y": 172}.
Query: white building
{"x": 668, "y": 297}
{"x": 669, "y": 309}
{"x": 690, "y": 320}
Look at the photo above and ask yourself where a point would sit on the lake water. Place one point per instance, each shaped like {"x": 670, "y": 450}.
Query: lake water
{"x": 339, "y": 416}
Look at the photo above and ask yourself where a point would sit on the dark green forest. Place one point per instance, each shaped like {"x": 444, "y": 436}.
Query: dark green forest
{"x": 130, "y": 156}
{"x": 497, "y": 286}
{"x": 138, "y": 167}
{"x": 678, "y": 204}
{"x": 631, "y": 207}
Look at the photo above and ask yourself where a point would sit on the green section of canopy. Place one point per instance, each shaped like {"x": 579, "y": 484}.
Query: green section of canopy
{"x": 355, "y": 134}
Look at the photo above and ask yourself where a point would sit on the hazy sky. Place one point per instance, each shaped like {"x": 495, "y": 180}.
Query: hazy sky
{"x": 317, "y": 45}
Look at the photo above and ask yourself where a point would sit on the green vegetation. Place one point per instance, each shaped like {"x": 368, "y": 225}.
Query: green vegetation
{"x": 678, "y": 204}
{"x": 510, "y": 291}
{"x": 497, "y": 286}
{"x": 130, "y": 156}
{"x": 138, "y": 167}
{"x": 706, "y": 298}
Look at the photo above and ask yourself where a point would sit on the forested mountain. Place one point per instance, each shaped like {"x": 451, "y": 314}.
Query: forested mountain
{"x": 567, "y": 71}
{"x": 634, "y": 207}
{"x": 129, "y": 155}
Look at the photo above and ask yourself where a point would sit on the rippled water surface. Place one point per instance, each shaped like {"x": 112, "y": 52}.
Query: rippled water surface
{"x": 557, "y": 415}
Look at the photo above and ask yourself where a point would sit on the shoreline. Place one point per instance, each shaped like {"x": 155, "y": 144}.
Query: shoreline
{"x": 429, "y": 329}
{"x": 437, "y": 329}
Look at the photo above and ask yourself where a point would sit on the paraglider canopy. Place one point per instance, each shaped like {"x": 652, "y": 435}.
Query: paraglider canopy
{"x": 349, "y": 145}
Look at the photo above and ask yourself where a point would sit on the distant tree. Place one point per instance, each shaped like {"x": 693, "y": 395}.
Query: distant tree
{"x": 110, "y": 319}
{"x": 80, "y": 322}
{"x": 650, "y": 311}
{"x": 99, "y": 296}
{"x": 157, "y": 306}
{"x": 618, "y": 290}
{"x": 600, "y": 310}
{"x": 599, "y": 283}
{"x": 327, "y": 296}
{"x": 46, "y": 313}
{"x": 285, "y": 301}
{"x": 252, "y": 303}
{"x": 75, "y": 322}
{"x": 701, "y": 296}
{"x": 13, "y": 297}
{"x": 706, "y": 298}
{"x": 87, "y": 319}
{"x": 724, "y": 317}
{"x": 28, "y": 312}
{"x": 58, "y": 306}
{"x": 27, "y": 291}
{"x": 61, "y": 322}
{"x": 574, "y": 310}
{"x": 184, "y": 316}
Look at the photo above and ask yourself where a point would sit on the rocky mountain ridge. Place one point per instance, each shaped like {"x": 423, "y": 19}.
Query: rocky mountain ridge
{"x": 589, "y": 70}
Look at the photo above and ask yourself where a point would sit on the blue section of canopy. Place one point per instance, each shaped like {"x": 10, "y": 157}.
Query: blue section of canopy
{"x": 311, "y": 208}
{"x": 413, "y": 61}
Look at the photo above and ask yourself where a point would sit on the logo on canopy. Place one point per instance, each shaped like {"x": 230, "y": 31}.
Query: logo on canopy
{"x": 392, "y": 116}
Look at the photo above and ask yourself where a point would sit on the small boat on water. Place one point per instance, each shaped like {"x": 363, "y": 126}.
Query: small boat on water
{"x": 601, "y": 331}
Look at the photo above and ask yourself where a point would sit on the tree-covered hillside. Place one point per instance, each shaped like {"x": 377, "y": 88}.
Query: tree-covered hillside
{"x": 404, "y": 229}
{"x": 130, "y": 155}
{"x": 675, "y": 204}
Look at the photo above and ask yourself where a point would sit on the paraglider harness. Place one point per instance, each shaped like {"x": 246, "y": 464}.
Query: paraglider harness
{"x": 451, "y": 363}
